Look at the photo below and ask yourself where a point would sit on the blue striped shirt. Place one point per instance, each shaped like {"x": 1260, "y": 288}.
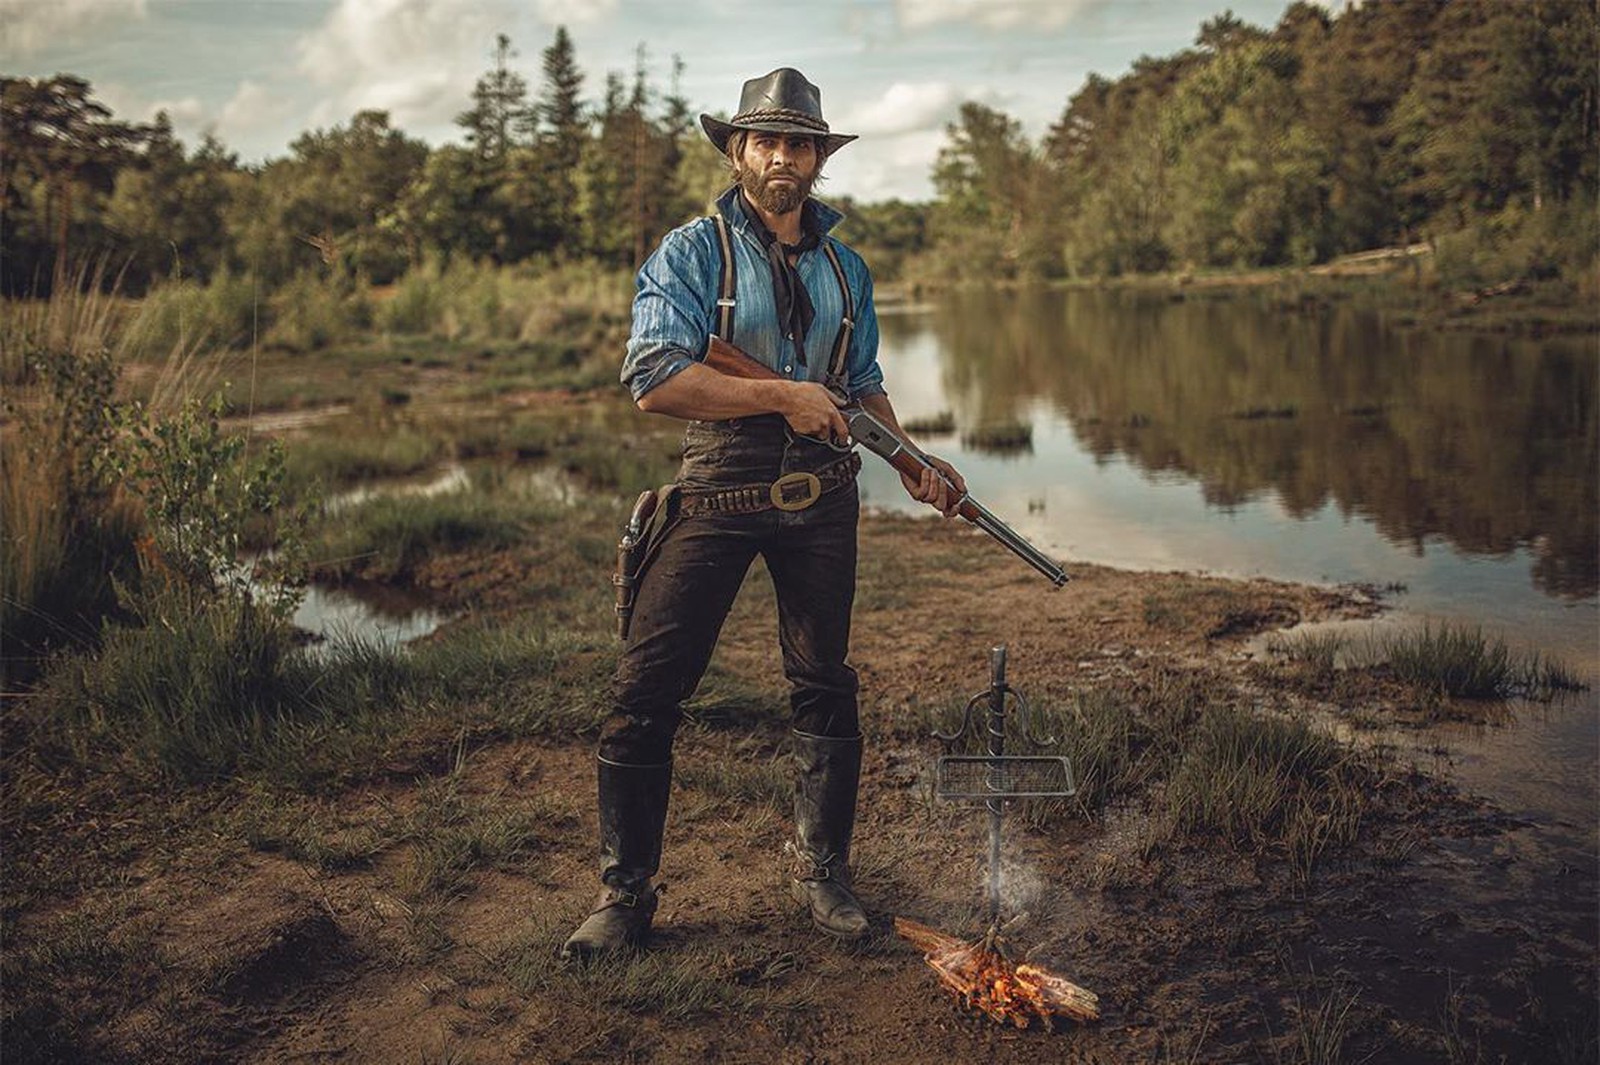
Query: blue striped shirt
{"x": 675, "y": 307}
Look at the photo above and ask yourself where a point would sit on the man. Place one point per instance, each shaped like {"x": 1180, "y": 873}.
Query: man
{"x": 758, "y": 477}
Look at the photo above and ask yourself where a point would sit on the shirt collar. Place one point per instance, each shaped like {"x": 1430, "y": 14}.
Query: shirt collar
{"x": 818, "y": 214}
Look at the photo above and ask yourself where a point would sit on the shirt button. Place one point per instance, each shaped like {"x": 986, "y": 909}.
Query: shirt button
{"x": 788, "y": 369}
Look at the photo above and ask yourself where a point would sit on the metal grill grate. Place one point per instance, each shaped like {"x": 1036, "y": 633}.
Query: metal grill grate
{"x": 982, "y": 776}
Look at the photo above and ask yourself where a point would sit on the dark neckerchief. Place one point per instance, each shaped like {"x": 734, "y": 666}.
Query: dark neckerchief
{"x": 788, "y": 291}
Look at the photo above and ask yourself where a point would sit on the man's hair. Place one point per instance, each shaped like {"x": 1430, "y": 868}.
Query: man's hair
{"x": 734, "y": 155}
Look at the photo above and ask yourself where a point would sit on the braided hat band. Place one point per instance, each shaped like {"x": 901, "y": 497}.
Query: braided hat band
{"x": 753, "y": 119}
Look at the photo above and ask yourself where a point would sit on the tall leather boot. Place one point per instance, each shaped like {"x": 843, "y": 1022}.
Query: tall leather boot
{"x": 827, "y": 772}
{"x": 633, "y": 813}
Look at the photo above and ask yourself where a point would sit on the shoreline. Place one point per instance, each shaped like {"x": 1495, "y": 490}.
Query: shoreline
{"x": 1391, "y": 280}
{"x": 283, "y": 919}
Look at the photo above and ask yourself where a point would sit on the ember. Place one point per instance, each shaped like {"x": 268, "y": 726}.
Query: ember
{"x": 985, "y": 979}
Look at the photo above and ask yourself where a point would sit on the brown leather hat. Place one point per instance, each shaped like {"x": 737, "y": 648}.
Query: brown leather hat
{"x": 780, "y": 102}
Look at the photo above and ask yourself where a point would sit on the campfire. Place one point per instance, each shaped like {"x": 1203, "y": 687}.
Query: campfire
{"x": 983, "y": 978}
{"x": 981, "y": 973}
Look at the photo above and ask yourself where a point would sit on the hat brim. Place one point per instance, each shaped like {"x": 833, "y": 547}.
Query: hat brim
{"x": 719, "y": 131}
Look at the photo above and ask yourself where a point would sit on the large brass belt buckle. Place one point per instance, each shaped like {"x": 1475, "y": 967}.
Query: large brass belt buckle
{"x": 796, "y": 491}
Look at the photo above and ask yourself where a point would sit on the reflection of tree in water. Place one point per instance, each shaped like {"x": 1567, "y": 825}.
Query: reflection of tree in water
{"x": 1488, "y": 442}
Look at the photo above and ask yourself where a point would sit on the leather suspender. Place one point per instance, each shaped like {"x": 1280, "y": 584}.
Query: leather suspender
{"x": 727, "y": 290}
{"x": 847, "y": 324}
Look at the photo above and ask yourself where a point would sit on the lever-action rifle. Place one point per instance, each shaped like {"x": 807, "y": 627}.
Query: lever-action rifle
{"x": 868, "y": 429}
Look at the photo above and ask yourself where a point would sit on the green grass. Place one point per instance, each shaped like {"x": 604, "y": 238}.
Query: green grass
{"x": 387, "y": 537}
{"x": 1323, "y": 1022}
{"x": 65, "y": 985}
{"x": 673, "y": 985}
{"x": 333, "y": 460}
{"x": 1462, "y": 662}
{"x": 753, "y": 777}
{"x": 1450, "y": 661}
{"x": 1453, "y": 661}
{"x": 1254, "y": 780}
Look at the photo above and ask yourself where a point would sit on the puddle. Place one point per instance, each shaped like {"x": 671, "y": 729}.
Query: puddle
{"x": 368, "y": 612}
{"x": 388, "y": 616}
{"x": 451, "y": 478}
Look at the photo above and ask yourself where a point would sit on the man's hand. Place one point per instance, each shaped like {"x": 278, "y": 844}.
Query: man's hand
{"x": 811, "y": 410}
{"x": 935, "y": 490}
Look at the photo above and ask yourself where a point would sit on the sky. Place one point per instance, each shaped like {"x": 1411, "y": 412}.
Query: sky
{"x": 257, "y": 73}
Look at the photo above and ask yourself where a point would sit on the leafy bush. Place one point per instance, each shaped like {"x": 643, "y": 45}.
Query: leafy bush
{"x": 313, "y": 310}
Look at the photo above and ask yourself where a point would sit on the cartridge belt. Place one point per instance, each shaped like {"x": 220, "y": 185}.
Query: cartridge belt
{"x": 792, "y": 491}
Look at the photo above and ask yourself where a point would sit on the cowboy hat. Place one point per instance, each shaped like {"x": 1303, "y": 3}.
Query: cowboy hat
{"x": 780, "y": 102}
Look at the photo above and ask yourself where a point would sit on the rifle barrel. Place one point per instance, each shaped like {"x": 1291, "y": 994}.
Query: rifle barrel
{"x": 868, "y": 430}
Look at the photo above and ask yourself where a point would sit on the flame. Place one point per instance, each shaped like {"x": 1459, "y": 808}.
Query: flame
{"x": 985, "y": 979}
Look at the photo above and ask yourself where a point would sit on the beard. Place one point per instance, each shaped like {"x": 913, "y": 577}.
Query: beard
{"x": 776, "y": 198}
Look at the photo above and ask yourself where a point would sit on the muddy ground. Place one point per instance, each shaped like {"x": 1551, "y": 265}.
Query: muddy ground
{"x": 228, "y": 924}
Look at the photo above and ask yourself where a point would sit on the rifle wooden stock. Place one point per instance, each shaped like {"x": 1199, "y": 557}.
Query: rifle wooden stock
{"x": 729, "y": 361}
{"x": 871, "y": 432}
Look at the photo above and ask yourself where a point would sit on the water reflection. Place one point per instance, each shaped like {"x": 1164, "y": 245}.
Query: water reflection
{"x": 367, "y": 612}
{"x": 1486, "y": 443}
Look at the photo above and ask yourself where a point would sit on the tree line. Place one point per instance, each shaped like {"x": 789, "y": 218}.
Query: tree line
{"x": 1326, "y": 134}
{"x": 538, "y": 174}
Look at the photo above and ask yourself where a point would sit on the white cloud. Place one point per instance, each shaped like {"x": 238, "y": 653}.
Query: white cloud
{"x": 885, "y": 167}
{"x": 990, "y": 14}
{"x": 574, "y": 12}
{"x": 130, "y": 105}
{"x": 186, "y": 112}
{"x": 416, "y": 59}
{"x": 252, "y": 107}
{"x": 28, "y": 26}
{"x": 904, "y": 107}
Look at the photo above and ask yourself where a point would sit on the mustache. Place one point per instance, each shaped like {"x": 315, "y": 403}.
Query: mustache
{"x": 781, "y": 171}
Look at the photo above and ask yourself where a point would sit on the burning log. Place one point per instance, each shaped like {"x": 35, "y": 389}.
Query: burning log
{"x": 983, "y": 978}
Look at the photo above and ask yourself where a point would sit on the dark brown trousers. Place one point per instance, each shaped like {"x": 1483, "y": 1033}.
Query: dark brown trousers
{"x": 688, "y": 589}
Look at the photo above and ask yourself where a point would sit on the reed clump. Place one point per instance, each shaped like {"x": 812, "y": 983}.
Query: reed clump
{"x": 931, "y": 425}
{"x": 1003, "y": 438}
{"x": 1259, "y": 780}
{"x": 1454, "y": 661}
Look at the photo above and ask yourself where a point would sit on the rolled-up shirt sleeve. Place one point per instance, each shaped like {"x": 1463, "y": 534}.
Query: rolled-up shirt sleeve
{"x": 672, "y": 306}
{"x": 866, "y": 376}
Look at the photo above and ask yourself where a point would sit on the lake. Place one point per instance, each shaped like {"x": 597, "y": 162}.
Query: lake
{"x": 1314, "y": 442}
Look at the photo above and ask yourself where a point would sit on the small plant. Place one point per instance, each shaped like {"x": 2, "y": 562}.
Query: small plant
{"x": 1322, "y": 1025}
{"x": 1318, "y": 653}
{"x": 200, "y": 494}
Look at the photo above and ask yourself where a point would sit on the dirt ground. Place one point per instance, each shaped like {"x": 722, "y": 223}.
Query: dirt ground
{"x": 237, "y": 948}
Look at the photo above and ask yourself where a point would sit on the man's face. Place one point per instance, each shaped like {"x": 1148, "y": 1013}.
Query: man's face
{"x": 778, "y": 169}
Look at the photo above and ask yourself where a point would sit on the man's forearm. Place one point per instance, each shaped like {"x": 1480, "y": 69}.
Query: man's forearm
{"x": 696, "y": 392}
{"x": 702, "y": 392}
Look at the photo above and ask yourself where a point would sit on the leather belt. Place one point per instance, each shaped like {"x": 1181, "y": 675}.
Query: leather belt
{"x": 792, "y": 491}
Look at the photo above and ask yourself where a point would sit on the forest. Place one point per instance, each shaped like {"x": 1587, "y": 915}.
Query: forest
{"x": 1467, "y": 124}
